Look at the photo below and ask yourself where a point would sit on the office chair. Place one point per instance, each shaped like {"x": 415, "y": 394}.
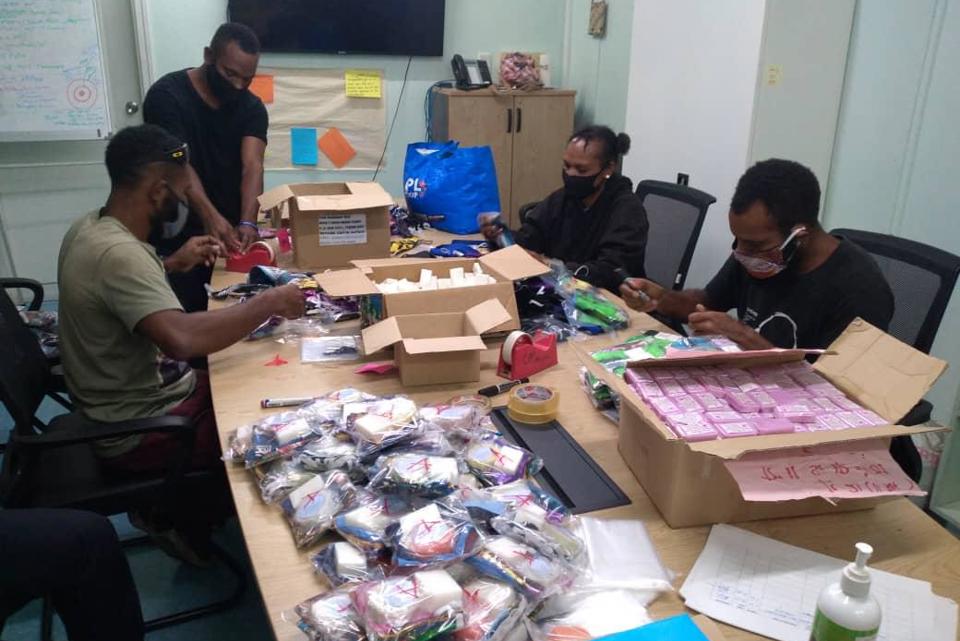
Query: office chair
{"x": 676, "y": 214}
{"x": 57, "y": 467}
{"x": 922, "y": 279}
{"x": 34, "y": 287}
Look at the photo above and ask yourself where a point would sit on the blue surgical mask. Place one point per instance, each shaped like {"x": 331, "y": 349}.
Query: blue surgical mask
{"x": 175, "y": 219}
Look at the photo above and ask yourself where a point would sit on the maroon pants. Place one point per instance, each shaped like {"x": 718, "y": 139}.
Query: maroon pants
{"x": 156, "y": 449}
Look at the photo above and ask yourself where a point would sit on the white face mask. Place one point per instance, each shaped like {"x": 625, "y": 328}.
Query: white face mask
{"x": 172, "y": 228}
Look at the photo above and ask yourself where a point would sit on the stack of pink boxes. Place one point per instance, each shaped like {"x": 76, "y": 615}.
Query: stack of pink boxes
{"x": 705, "y": 403}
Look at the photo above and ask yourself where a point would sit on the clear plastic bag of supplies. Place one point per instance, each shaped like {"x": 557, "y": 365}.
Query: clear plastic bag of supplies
{"x": 588, "y": 616}
{"x": 534, "y": 575}
{"x": 493, "y": 610}
{"x": 341, "y": 563}
{"x": 496, "y": 462}
{"x": 489, "y": 502}
{"x": 365, "y": 525}
{"x": 417, "y": 607}
{"x": 330, "y": 452}
{"x": 329, "y": 617}
{"x": 415, "y": 474}
{"x": 311, "y": 508}
{"x": 531, "y": 524}
{"x": 377, "y": 425}
{"x": 277, "y": 479}
{"x": 439, "y": 532}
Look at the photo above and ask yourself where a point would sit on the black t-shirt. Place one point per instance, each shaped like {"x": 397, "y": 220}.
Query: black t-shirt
{"x": 593, "y": 242}
{"x": 806, "y": 310}
{"x": 214, "y": 137}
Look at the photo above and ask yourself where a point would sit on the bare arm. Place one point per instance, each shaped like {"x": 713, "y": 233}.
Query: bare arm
{"x": 646, "y": 296}
{"x": 182, "y": 336}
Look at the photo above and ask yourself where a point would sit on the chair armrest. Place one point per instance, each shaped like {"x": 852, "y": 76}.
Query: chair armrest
{"x": 25, "y": 283}
{"x": 83, "y": 430}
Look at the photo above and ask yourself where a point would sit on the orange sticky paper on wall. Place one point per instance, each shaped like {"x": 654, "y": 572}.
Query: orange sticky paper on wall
{"x": 262, "y": 88}
{"x": 336, "y": 147}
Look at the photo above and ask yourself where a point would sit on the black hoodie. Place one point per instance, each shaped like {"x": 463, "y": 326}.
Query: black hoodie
{"x": 592, "y": 242}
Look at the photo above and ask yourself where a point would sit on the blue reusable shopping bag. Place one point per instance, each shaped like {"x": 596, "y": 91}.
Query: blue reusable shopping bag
{"x": 445, "y": 179}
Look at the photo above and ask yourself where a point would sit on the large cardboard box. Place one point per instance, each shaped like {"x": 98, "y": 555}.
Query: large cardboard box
{"x": 689, "y": 483}
{"x": 437, "y": 348}
{"x": 333, "y": 223}
{"x": 505, "y": 266}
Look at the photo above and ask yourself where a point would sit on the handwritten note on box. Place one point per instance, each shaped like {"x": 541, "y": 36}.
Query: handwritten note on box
{"x": 835, "y": 471}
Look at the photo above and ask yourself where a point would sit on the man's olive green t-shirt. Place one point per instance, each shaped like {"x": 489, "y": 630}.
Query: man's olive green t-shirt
{"x": 109, "y": 281}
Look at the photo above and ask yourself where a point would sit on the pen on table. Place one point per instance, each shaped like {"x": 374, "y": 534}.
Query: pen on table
{"x": 285, "y": 402}
{"x": 494, "y": 390}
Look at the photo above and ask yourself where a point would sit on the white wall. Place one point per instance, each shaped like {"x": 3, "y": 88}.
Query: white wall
{"x": 693, "y": 71}
{"x": 800, "y": 81}
{"x": 896, "y": 164}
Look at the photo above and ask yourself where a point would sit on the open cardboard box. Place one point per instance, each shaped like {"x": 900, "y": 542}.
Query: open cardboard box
{"x": 332, "y": 223}
{"x": 504, "y": 265}
{"x": 689, "y": 483}
{"x": 437, "y": 348}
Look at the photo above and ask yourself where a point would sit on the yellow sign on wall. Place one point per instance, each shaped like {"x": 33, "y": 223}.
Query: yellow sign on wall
{"x": 363, "y": 84}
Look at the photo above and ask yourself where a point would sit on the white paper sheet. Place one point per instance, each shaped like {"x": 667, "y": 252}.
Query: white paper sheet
{"x": 771, "y": 588}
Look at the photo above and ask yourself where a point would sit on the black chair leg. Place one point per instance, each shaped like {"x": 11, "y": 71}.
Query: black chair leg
{"x": 46, "y": 620}
{"x": 236, "y": 569}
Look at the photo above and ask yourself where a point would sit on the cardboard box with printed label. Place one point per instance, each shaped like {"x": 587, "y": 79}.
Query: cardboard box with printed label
{"x": 688, "y": 481}
{"x": 437, "y": 348}
{"x": 505, "y": 266}
{"x": 333, "y": 223}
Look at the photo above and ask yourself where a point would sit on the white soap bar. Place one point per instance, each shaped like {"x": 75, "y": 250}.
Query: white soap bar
{"x": 373, "y": 427}
{"x": 369, "y": 517}
{"x": 428, "y": 514}
{"x": 425, "y": 276}
{"x": 434, "y": 283}
{"x": 440, "y": 590}
{"x": 477, "y": 269}
{"x": 445, "y": 283}
{"x": 395, "y": 602}
{"x": 406, "y": 286}
{"x": 456, "y": 275}
{"x": 532, "y": 514}
{"x": 414, "y": 468}
{"x": 470, "y": 280}
{"x": 350, "y": 560}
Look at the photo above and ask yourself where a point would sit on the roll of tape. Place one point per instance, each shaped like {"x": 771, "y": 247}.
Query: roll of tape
{"x": 267, "y": 246}
{"x": 481, "y": 402}
{"x": 534, "y": 404}
{"x": 513, "y": 338}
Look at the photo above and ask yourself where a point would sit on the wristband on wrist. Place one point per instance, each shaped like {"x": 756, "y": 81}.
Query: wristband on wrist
{"x": 247, "y": 223}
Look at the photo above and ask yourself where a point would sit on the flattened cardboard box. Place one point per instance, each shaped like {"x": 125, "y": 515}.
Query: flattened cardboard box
{"x": 689, "y": 483}
{"x": 333, "y": 223}
{"x": 437, "y": 348}
{"x": 505, "y": 266}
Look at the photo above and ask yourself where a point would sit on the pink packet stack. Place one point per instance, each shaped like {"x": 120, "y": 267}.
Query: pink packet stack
{"x": 634, "y": 377}
{"x": 764, "y": 401}
{"x": 742, "y": 402}
{"x": 787, "y": 397}
{"x": 732, "y": 430}
{"x": 680, "y": 373}
{"x": 774, "y": 426}
{"x": 796, "y": 413}
{"x": 853, "y": 419}
{"x": 831, "y": 422}
{"x": 691, "y": 427}
{"x": 649, "y": 390}
{"x": 710, "y": 402}
{"x": 724, "y": 416}
{"x": 872, "y": 417}
{"x": 687, "y": 404}
{"x": 663, "y": 405}
{"x": 661, "y": 374}
{"x": 825, "y": 405}
{"x": 711, "y": 384}
{"x": 846, "y": 404}
{"x": 796, "y": 366}
{"x": 672, "y": 388}
{"x": 692, "y": 386}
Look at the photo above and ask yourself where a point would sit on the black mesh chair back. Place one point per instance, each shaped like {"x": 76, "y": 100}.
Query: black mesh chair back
{"x": 922, "y": 279}
{"x": 676, "y": 214}
{"x": 24, "y": 372}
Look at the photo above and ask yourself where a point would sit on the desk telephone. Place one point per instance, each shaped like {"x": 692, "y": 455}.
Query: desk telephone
{"x": 470, "y": 74}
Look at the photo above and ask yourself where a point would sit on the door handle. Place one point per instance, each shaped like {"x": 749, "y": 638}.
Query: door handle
{"x": 509, "y": 121}
{"x": 519, "y": 119}
{"x": 132, "y": 107}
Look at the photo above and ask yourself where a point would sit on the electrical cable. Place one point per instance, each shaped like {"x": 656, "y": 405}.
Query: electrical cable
{"x": 396, "y": 111}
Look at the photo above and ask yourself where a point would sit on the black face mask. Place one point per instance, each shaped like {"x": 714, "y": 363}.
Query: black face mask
{"x": 221, "y": 88}
{"x": 579, "y": 186}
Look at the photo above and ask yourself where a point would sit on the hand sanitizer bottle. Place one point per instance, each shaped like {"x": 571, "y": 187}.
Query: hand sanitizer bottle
{"x": 846, "y": 611}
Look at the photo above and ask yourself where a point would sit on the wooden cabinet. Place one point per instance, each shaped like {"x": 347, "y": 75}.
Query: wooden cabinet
{"x": 526, "y": 130}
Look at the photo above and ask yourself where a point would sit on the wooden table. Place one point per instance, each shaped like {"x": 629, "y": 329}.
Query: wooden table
{"x": 907, "y": 542}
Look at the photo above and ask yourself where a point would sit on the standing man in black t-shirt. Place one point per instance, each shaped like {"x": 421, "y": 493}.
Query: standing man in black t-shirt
{"x": 792, "y": 283}
{"x": 225, "y": 127}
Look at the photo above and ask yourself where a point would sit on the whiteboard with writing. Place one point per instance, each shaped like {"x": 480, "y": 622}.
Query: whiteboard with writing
{"x": 52, "y": 84}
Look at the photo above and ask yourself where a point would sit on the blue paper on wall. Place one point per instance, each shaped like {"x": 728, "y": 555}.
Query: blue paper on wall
{"x": 303, "y": 146}
{"x": 678, "y": 628}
